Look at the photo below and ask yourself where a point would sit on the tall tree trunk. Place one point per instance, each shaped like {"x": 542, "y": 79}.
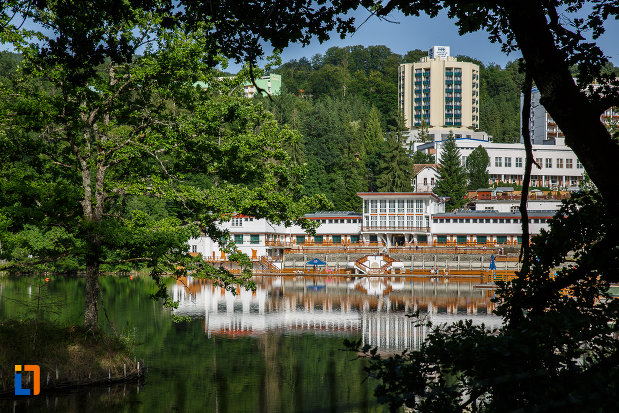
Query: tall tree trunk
{"x": 91, "y": 292}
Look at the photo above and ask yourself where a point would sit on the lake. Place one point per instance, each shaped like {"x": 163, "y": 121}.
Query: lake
{"x": 276, "y": 349}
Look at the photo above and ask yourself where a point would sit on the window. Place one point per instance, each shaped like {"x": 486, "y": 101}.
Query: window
{"x": 410, "y": 221}
{"x": 254, "y": 239}
{"x": 461, "y": 239}
{"x": 501, "y": 239}
{"x": 317, "y": 239}
{"x": 400, "y": 220}
{"x": 238, "y": 239}
{"x": 418, "y": 221}
{"x": 425, "y": 181}
{"x": 383, "y": 221}
{"x": 354, "y": 239}
{"x": 508, "y": 162}
{"x": 422, "y": 238}
{"x": 401, "y": 205}
{"x": 383, "y": 206}
{"x": 431, "y": 181}
{"x": 548, "y": 162}
{"x": 498, "y": 161}
{"x": 419, "y": 207}
{"x": 373, "y": 206}
{"x": 392, "y": 206}
{"x": 300, "y": 239}
{"x": 481, "y": 239}
{"x": 519, "y": 239}
{"x": 410, "y": 206}
{"x": 373, "y": 238}
{"x": 568, "y": 163}
{"x": 441, "y": 239}
{"x": 194, "y": 248}
{"x": 237, "y": 222}
{"x": 366, "y": 206}
{"x": 391, "y": 221}
{"x": 559, "y": 163}
{"x": 578, "y": 164}
{"x": 373, "y": 221}
{"x": 539, "y": 162}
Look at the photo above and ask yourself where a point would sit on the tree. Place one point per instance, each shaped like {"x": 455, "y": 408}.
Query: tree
{"x": 396, "y": 168}
{"x": 423, "y": 132}
{"x": 452, "y": 175}
{"x": 90, "y": 126}
{"x": 477, "y": 166}
{"x": 422, "y": 158}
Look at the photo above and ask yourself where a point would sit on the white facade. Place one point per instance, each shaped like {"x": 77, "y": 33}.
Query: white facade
{"x": 393, "y": 218}
{"x": 485, "y": 227}
{"x": 426, "y": 178}
{"x": 560, "y": 168}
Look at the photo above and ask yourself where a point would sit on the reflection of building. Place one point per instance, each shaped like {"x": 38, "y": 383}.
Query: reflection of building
{"x": 337, "y": 307}
{"x": 439, "y": 91}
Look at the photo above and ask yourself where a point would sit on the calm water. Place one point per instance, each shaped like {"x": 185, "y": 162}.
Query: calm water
{"x": 278, "y": 349}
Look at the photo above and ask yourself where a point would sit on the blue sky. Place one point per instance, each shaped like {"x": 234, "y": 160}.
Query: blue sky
{"x": 423, "y": 32}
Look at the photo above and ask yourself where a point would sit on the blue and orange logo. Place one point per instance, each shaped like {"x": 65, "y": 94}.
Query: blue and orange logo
{"x": 36, "y": 382}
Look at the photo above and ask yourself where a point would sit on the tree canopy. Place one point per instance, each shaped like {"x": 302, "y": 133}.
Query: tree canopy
{"x": 477, "y": 167}
{"x": 452, "y": 175}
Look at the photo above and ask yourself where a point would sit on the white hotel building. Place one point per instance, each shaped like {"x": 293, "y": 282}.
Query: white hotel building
{"x": 388, "y": 219}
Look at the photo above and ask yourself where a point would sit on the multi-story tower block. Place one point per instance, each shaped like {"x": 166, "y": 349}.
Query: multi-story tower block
{"x": 440, "y": 91}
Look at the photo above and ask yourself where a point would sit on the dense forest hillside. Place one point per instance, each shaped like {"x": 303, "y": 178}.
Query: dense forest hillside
{"x": 370, "y": 73}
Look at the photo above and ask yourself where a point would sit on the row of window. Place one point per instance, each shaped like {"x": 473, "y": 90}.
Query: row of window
{"x": 411, "y": 205}
{"x": 488, "y": 220}
{"x": 546, "y": 162}
{"x": 339, "y": 221}
{"x": 320, "y": 239}
{"x": 239, "y": 239}
{"x": 412, "y": 221}
{"x": 479, "y": 239}
{"x": 238, "y": 222}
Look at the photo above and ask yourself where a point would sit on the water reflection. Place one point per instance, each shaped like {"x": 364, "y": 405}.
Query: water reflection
{"x": 374, "y": 307}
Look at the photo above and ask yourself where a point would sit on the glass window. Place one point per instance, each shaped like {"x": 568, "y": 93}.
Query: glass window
{"x": 400, "y": 220}
{"x": 317, "y": 239}
{"x": 238, "y": 239}
{"x": 501, "y": 239}
{"x": 401, "y": 205}
{"x": 419, "y": 207}
{"x": 410, "y": 206}
{"x": 508, "y": 162}
{"x": 518, "y": 162}
{"x": 422, "y": 238}
{"x": 461, "y": 239}
{"x": 383, "y": 221}
{"x": 254, "y": 239}
{"x": 237, "y": 222}
{"x": 392, "y": 221}
{"x": 373, "y": 203}
{"x": 548, "y": 162}
{"x": 441, "y": 239}
{"x": 519, "y": 239}
{"x": 373, "y": 221}
{"x": 354, "y": 239}
{"x": 410, "y": 221}
{"x": 418, "y": 221}
{"x": 498, "y": 161}
{"x": 366, "y": 206}
{"x": 392, "y": 206}
{"x": 481, "y": 239}
{"x": 568, "y": 163}
{"x": 374, "y": 238}
{"x": 383, "y": 206}
{"x": 559, "y": 163}
{"x": 578, "y": 164}
{"x": 300, "y": 239}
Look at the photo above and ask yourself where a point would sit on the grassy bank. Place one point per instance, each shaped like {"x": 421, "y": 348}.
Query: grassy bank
{"x": 67, "y": 356}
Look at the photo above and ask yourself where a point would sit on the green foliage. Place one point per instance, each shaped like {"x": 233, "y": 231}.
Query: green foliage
{"x": 558, "y": 349}
{"x": 452, "y": 175}
{"x": 422, "y": 158}
{"x": 477, "y": 167}
{"x": 396, "y": 172}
